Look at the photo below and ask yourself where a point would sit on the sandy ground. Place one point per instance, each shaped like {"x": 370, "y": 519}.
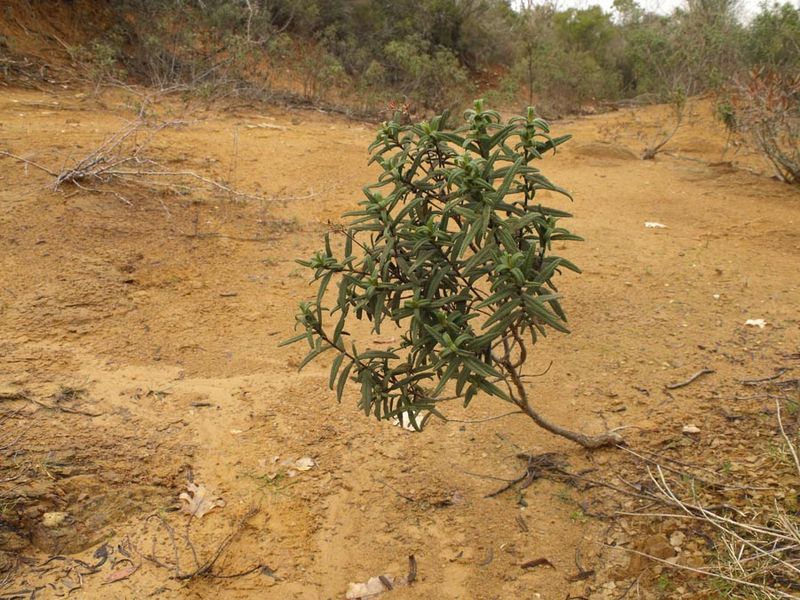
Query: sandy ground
{"x": 151, "y": 332}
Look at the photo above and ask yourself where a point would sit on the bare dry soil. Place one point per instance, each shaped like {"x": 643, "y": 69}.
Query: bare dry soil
{"x": 139, "y": 352}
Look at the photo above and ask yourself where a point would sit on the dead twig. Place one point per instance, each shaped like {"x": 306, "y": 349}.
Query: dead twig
{"x": 209, "y": 564}
{"x": 537, "y": 465}
{"x": 485, "y": 419}
{"x": 758, "y": 556}
{"x": 395, "y": 490}
{"x": 28, "y": 162}
{"x": 679, "y": 109}
{"x": 773, "y": 593}
{"x": 120, "y": 161}
{"x": 65, "y": 409}
{"x": 700, "y": 373}
{"x": 779, "y": 372}
{"x": 204, "y": 569}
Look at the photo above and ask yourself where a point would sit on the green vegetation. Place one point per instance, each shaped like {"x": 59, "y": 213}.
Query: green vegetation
{"x": 452, "y": 251}
{"x": 429, "y": 54}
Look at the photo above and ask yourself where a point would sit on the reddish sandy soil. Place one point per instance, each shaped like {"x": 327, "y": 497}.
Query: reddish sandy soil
{"x": 165, "y": 316}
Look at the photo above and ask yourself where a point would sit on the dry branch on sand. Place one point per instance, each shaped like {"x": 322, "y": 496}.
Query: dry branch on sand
{"x": 205, "y": 568}
{"x": 120, "y": 162}
{"x": 758, "y": 547}
{"x": 755, "y": 544}
{"x": 15, "y": 468}
{"x": 759, "y": 551}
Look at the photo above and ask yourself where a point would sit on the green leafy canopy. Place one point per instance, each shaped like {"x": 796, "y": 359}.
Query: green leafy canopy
{"x": 450, "y": 247}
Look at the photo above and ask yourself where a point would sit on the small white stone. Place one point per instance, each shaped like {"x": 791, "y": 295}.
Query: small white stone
{"x": 54, "y": 519}
{"x": 760, "y": 323}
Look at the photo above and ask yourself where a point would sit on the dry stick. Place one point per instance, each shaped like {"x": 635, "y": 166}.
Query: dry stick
{"x": 629, "y": 588}
{"x": 782, "y": 540}
{"x": 778, "y": 373}
{"x": 700, "y": 373}
{"x": 672, "y": 460}
{"x": 693, "y": 509}
{"x": 28, "y": 162}
{"x": 201, "y": 570}
{"x": 101, "y": 165}
{"x": 603, "y": 484}
{"x": 192, "y": 174}
{"x": 705, "y": 572}
{"x": 688, "y": 466}
{"x": 651, "y": 151}
{"x": 401, "y": 494}
{"x": 221, "y": 549}
{"x": 64, "y": 409}
{"x": 729, "y": 529}
{"x": 13, "y": 442}
{"x": 510, "y": 484}
{"x": 189, "y": 541}
{"x": 171, "y": 533}
{"x": 532, "y": 472}
{"x": 265, "y": 568}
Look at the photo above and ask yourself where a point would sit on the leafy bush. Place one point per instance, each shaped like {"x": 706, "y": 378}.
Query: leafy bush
{"x": 774, "y": 35}
{"x": 564, "y": 80}
{"x": 320, "y": 72}
{"x": 431, "y": 51}
{"x": 451, "y": 248}
{"x": 564, "y": 59}
{"x": 99, "y": 59}
{"x": 767, "y": 108}
{"x": 432, "y": 77}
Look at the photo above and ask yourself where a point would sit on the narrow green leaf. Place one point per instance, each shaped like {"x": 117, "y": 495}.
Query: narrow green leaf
{"x": 337, "y": 362}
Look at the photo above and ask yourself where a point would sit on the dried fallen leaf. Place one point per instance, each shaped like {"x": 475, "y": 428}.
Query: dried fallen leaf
{"x": 373, "y": 588}
{"x": 304, "y": 464}
{"x": 295, "y": 467}
{"x": 121, "y": 574}
{"x": 199, "y": 500}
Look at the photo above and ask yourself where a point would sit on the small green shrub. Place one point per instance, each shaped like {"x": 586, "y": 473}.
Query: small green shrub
{"x": 452, "y": 249}
{"x": 432, "y": 77}
{"x": 99, "y": 60}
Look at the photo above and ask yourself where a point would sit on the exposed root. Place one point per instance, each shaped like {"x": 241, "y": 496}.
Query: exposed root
{"x": 203, "y": 569}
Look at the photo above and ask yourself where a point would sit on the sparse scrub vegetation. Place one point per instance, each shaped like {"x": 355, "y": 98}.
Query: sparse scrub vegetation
{"x": 766, "y": 109}
{"x": 152, "y": 261}
{"x": 429, "y": 55}
{"x": 430, "y": 52}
